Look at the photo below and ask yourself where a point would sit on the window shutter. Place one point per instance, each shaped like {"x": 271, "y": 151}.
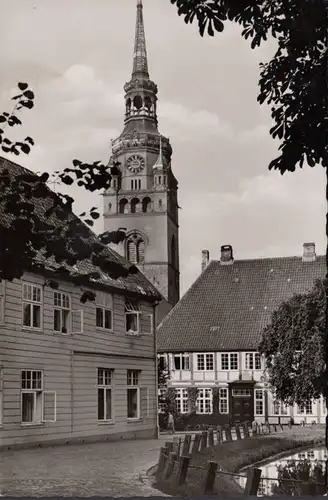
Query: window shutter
{"x": 140, "y": 251}
{"x": 146, "y": 324}
{"x": 49, "y": 406}
{"x": 144, "y": 396}
{"x": 132, "y": 252}
{"x": 77, "y": 321}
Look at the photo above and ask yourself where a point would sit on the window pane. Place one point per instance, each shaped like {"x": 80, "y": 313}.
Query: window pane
{"x": 99, "y": 317}
{"x": 101, "y": 404}
{"x": 132, "y": 403}
{"x": 27, "y": 314}
{"x": 177, "y": 362}
{"x": 131, "y": 322}
{"x": 27, "y": 407}
{"x": 65, "y": 319}
{"x": 108, "y": 404}
{"x": 108, "y": 319}
{"x": 57, "y": 320}
{"x": 36, "y": 316}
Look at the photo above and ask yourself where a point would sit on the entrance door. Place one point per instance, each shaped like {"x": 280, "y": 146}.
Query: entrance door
{"x": 241, "y": 405}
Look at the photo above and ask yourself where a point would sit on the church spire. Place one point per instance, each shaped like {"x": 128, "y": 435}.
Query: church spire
{"x": 140, "y": 62}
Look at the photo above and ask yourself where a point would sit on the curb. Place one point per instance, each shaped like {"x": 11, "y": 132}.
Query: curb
{"x": 144, "y": 477}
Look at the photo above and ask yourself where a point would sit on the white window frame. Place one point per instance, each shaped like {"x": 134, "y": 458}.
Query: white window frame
{"x": 323, "y": 406}
{"x": 259, "y": 400}
{"x": 104, "y": 386}
{"x": 71, "y": 312}
{"x": 304, "y": 410}
{"x": 33, "y": 304}
{"x": 38, "y": 399}
{"x": 230, "y": 356}
{"x": 204, "y": 401}
{"x": 253, "y": 359}
{"x": 182, "y": 400}
{"x": 279, "y": 409}
{"x": 224, "y": 397}
{"x": 132, "y": 308}
{"x": 2, "y": 301}
{"x": 133, "y": 383}
{"x": 184, "y": 360}
{"x": 206, "y": 361}
{"x": 161, "y": 394}
{"x": 104, "y": 302}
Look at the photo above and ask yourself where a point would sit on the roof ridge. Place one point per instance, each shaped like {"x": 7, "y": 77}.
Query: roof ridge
{"x": 266, "y": 259}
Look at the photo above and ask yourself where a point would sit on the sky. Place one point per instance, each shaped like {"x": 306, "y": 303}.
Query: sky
{"x": 76, "y": 55}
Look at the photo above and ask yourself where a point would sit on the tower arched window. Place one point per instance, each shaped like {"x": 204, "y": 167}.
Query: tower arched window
{"x": 135, "y": 204}
{"x": 128, "y": 105}
{"x": 135, "y": 249}
{"x": 146, "y": 204}
{"x": 137, "y": 102}
{"x": 123, "y": 206}
{"x": 160, "y": 204}
{"x": 173, "y": 251}
{"x": 148, "y": 102}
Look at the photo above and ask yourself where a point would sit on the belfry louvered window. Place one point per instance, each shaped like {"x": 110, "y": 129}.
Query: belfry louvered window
{"x": 135, "y": 250}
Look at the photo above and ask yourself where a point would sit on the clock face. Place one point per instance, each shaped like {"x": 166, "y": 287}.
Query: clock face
{"x": 135, "y": 163}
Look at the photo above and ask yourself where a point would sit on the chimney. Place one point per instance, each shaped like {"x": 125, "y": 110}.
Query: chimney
{"x": 308, "y": 252}
{"x": 205, "y": 259}
{"x": 226, "y": 254}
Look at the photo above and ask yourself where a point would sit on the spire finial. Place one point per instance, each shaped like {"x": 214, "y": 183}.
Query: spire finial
{"x": 140, "y": 63}
{"x": 160, "y": 160}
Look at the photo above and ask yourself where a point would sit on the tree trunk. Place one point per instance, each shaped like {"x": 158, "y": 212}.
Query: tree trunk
{"x": 326, "y": 332}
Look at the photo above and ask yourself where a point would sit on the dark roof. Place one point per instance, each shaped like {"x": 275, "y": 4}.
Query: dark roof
{"x": 136, "y": 283}
{"x": 228, "y": 305}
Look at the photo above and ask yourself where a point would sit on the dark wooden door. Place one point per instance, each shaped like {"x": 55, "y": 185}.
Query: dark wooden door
{"x": 242, "y": 406}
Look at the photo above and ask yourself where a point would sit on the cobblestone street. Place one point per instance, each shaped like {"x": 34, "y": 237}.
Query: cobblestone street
{"x": 111, "y": 469}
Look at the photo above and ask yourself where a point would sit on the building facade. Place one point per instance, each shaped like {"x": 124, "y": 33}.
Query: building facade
{"x": 75, "y": 369}
{"x": 143, "y": 196}
{"x": 209, "y": 340}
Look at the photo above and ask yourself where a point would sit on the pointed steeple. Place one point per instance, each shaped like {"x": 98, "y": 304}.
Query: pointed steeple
{"x": 140, "y": 62}
{"x": 160, "y": 160}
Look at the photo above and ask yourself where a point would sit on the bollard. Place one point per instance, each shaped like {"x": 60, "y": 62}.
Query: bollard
{"x": 275, "y": 428}
{"x": 228, "y": 434}
{"x": 175, "y": 445}
{"x": 252, "y": 482}
{"x": 203, "y": 441}
{"x": 169, "y": 466}
{"x": 161, "y": 461}
{"x": 196, "y": 443}
{"x": 269, "y": 428}
{"x": 210, "y": 477}
{"x": 238, "y": 435}
{"x": 219, "y": 434}
{"x": 246, "y": 431}
{"x": 183, "y": 470}
{"x": 186, "y": 445}
{"x": 210, "y": 437}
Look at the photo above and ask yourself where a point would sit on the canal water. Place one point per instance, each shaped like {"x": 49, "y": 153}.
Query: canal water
{"x": 270, "y": 469}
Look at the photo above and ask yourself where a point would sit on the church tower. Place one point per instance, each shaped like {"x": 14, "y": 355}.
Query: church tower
{"x": 143, "y": 193}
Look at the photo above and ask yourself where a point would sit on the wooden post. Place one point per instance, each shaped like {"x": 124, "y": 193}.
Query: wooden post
{"x": 186, "y": 445}
{"x": 253, "y": 482}
{"x": 196, "y": 443}
{"x": 210, "y": 477}
{"x": 161, "y": 461}
{"x": 175, "y": 445}
{"x": 169, "y": 466}
{"x": 246, "y": 430}
{"x": 203, "y": 442}
{"x": 183, "y": 470}
{"x": 237, "y": 429}
{"x": 228, "y": 434}
{"x": 269, "y": 428}
{"x": 275, "y": 428}
{"x": 219, "y": 434}
{"x": 169, "y": 446}
{"x": 210, "y": 437}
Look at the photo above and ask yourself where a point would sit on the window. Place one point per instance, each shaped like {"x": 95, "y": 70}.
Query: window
{"x": 123, "y": 206}
{"x": 137, "y": 322}
{"x": 253, "y": 361}
{"x": 181, "y": 400}
{"x": 104, "y": 311}
{"x": 65, "y": 320}
{"x": 162, "y": 362}
{"x": 241, "y": 393}
{"x": 32, "y": 306}
{"x": 307, "y": 410}
{"x": 37, "y": 405}
{"x": 133, "y": 394}
{"x": 104, "y": 394}
{"x": 181, "y": 362}
{"x": 161, "y": 400}
{"x": 205, "y": 362}
{"x": 279, "y": 408}
{"x": 229, "y": 361}
{"x": 135, "y": 184}
{"x": 135, "y": 250}
{"x": 204, "y": 401}
{"x": 2, "y": 302}
{"x": 259, "y": 402}
{"x": 223, "y": 401}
